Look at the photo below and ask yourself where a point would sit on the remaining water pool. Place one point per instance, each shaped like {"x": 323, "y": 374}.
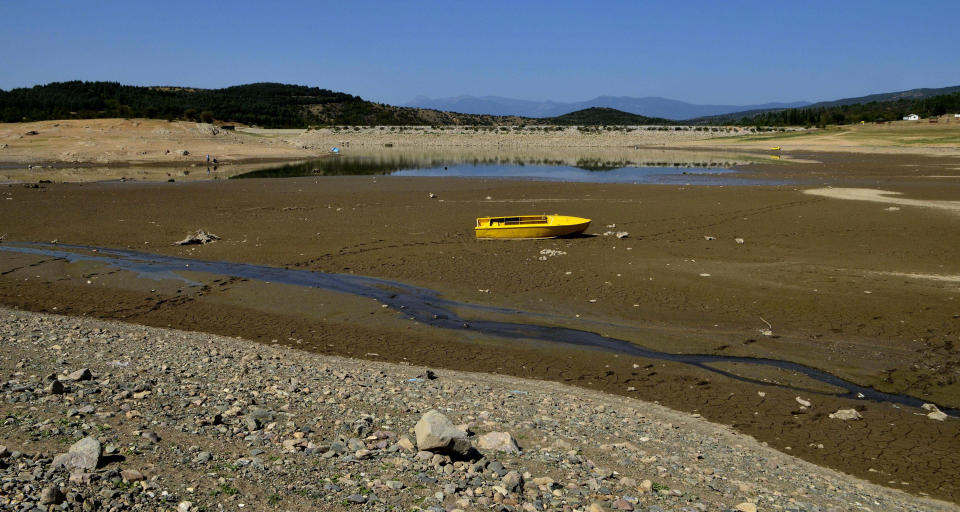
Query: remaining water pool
{"x": 704, "y": 172}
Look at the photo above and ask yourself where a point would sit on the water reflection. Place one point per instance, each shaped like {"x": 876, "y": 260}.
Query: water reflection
{"x": 598, "y": 165}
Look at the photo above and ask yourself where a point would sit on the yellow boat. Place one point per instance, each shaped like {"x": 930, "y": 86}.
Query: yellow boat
{"x": 775, "y": 148}
{"x": 530, "y": 226}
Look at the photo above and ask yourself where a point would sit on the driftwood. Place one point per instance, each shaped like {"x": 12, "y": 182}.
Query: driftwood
{"x": 200, "y": 237}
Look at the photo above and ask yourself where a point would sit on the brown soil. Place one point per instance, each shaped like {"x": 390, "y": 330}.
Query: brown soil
{"x": 834, "y": 277}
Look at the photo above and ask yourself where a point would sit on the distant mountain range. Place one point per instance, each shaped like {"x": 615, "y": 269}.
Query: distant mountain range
{"x": 650, "y": 106}
{"x": 282, "y": 105}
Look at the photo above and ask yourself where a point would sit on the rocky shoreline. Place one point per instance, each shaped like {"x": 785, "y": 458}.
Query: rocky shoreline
{"x": 108, "y": 416}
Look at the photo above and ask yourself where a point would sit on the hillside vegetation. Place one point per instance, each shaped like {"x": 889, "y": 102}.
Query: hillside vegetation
{"x": 275, "y": 105}
{"x": 873, "y": 108}
{"x": 270, "y": 105}
{"x": 604, "y": 116}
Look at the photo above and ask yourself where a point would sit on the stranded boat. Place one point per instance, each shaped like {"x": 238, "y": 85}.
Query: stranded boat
{"x": 530, "y": 226}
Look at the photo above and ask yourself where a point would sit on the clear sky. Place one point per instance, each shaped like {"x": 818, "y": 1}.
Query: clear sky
{"x": 722, "y": 51}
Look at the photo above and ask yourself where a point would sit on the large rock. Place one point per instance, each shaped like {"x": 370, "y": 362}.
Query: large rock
{"x": 83, "y": 455}
{"x": 846, "y": 414}
{"x": 498, "y": 441}
{"x": 436, "y": 433}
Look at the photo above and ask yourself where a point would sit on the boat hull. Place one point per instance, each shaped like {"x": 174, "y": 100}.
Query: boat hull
{"x": 556, "y": 227}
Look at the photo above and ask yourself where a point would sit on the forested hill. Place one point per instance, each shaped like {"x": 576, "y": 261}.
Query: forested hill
{"x": 605, "y": 116}
{"x": 876, "y": 107}
{"x": 269, "y": 105}
{"x": 867, "y": 112}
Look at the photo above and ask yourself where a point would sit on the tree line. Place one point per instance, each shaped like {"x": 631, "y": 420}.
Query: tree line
{"x": 874, "y": 111}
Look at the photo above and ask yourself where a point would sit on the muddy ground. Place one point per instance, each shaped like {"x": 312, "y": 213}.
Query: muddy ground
{"x": 865, "y": 290}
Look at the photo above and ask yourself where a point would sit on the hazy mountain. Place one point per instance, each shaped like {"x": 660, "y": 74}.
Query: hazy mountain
{"x": 650, "y": 106}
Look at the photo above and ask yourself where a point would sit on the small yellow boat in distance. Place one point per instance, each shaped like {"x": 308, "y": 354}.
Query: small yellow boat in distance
{"x": 530, "y": 226}
{"x": 775, "y": 148}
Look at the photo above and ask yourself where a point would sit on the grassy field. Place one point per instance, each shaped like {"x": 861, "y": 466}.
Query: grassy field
{"x": 897, "y": 134}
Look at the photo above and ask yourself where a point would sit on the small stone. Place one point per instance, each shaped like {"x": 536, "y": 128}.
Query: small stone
{"x": 935, "y": 412}
{"x": 80, "y": 477}
{"x": 185, "y": 506}
{"x": 151, "y": 436}
{"x": 52, "y": 496}
{"x": 357, "y": 499}
{"x": 846, "y": 414}
{"x": 498, "y": 441}
{"x": 543, "y": 481}
{"x": 55, "y": 388}
{"x": 406, "y": 444}
{"x": 203, "y": 457}
{"x": 131, "y": 475}
{"x": 746, "y": 507}
{"x": 622, "y": 504}
{"x": 513, "y": 482}
{"x": 805, "y": 403}
{"x": 394, "y": 484}
{"x": 646, "y": 486}
{"x": 81, "y": 374}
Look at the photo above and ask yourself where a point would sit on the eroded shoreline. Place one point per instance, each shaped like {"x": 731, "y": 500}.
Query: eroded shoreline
{"x": 179, "y": 438}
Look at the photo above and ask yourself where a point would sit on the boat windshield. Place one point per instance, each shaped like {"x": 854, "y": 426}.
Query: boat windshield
{"x": 513, "y": 221}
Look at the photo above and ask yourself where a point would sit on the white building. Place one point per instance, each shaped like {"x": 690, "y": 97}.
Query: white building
{"x": 911, "y": 117}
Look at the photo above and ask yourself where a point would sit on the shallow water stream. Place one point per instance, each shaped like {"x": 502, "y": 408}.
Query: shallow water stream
{"x": 428, "y": 307}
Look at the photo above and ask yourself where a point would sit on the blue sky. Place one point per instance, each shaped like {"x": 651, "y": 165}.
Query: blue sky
{"x": 726, "y": 52}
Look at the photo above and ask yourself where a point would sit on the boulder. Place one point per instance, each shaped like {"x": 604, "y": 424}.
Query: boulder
{"x": 436, "y": 433}
{"x": 83, "y": 455}
{"x": 498, "y": 441}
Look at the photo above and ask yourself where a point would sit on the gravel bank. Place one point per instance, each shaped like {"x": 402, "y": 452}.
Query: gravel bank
{"x": 189, "y": 421}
